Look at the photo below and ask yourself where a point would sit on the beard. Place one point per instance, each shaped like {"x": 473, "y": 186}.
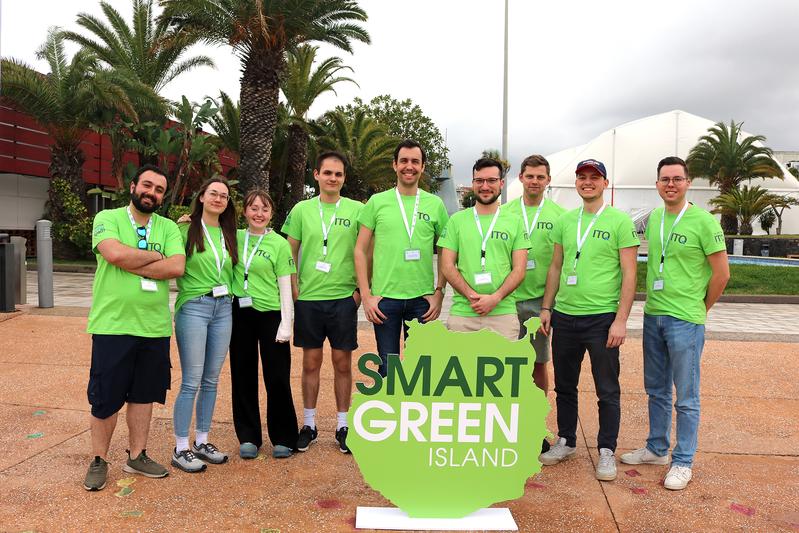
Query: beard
{"x": 486, "y": 202}
{"x": 137, "y": 202}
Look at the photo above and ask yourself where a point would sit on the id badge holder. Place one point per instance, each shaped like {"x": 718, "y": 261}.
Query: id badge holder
{"x": 413, "y": 255}
{"x": 149, "y": 285}
{"x": 220, "y": 290}
{"x": 322, "y": 266}
{"x": 657, "y": 285}
{"x": 531, "y": 264}
{"x": 245, "y": 301}
{"x": 571, "y": 280}
{"x": 482, "y": 278}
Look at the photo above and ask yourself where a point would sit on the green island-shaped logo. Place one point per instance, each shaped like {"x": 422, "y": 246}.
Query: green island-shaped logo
{"x": 454, "y": 427}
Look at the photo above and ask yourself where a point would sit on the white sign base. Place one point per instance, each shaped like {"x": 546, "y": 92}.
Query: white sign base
{"x": 489, "y": 519}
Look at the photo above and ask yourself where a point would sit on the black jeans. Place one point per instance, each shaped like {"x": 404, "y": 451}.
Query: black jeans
{"x": 571, "y": 337}
{"x": 252, "y": 328}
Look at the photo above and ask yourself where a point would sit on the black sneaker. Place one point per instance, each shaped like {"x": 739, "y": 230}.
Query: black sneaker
{"x": 306, "y": 437}
{"x": 545, "y": 446}
{"x": 97, "y": 474}
{"x": 341, "y": 437}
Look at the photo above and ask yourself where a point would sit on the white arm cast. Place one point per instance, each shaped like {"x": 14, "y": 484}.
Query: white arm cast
{"x": 286, "y": 309}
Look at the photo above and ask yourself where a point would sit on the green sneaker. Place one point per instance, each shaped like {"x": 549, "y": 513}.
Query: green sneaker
{"x": 97, "y": 474}
{"x": 144, "y": 465}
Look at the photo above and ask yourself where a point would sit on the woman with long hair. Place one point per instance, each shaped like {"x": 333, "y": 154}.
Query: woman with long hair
{"x": 262, "y": 314}
{"x": 203, "y": 320}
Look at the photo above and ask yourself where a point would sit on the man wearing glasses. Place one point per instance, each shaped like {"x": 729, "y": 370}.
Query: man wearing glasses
{"x": 593, "y": 274}
{"x": 686, "y": 273}
{"x": 483, "y": 257}
{"x": 137, "y": 252}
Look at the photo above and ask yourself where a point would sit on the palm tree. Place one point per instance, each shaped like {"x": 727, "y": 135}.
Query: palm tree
{"x": 227, "y": 123}
{"x": 367, "y": 146}
{"x": 65, "y": 101}
{"x": 726, "y": 161}
{"x": 779, "y": 203}
{"x": 745, "y": 204}
{"x": 146, "y": 50}
{"x": 260, "y": 32}
{"x": 301, "y": 86}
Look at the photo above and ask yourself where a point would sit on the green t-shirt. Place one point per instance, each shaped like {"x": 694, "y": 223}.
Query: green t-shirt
{"x": 686, "y": 271}
{"x": 461, "y": 236}
{"x": 304, "y": 225}
{"x": 119, "y": 305}
{"x": 201, "y": 275}
{"x": 272, "y": 260}
{"x": 392, "y": 275}
{"x": 599, "y": 268}
{"x": 541, "y": 246}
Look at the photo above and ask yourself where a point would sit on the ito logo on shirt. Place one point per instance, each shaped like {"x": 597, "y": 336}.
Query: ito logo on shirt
{"x": 455, "y": 426}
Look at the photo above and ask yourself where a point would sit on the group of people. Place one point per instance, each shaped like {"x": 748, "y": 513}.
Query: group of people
{"x": 248, "y": 290}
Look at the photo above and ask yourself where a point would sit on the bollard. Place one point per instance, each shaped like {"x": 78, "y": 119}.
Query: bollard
{"x": 21, "y": 281}
{"x": 44, "y": 262}
{"x": 6, "y": 275}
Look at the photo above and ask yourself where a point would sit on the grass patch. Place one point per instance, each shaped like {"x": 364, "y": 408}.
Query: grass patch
{"x": 750, "y": 279}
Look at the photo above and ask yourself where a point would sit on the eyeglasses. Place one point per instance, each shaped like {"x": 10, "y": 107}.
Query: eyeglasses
{"x": 141, "y": 231}
{"x": 676, "y": 180}
{"x": 481, "y": 181}
{"x": 215, "y": 195}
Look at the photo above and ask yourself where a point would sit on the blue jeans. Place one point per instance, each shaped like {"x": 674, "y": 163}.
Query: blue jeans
{"x": 202, "y": 328}
{"x": 396, "y": 312}
{"x": 672, "y": 353}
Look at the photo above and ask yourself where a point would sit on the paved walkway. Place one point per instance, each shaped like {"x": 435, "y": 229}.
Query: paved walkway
{"x": 727, "y": 321}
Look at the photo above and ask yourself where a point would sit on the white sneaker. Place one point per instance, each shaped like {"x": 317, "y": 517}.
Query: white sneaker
{"x": 642, "y": 456}
{"x": 606, "y": 467}
{"x": 557, "y": 453}
{"x": 677, "y": 478}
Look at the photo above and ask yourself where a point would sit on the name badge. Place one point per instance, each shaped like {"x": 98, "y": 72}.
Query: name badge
{"x": 245, "y": 301}
{"x": 658, "y": 285}
{"x": 413, "y": 255}
{"x": 482, "y": 278}
{"x": 321, "y": 266}
{"x": 571, "y": 280}
{"x": 149, "y": 285}
{"x": 531, "y": 264}
{"x": 220, "y": 290}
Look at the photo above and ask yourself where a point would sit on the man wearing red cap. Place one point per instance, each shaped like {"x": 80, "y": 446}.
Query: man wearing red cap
{"x": 592, "y": 273}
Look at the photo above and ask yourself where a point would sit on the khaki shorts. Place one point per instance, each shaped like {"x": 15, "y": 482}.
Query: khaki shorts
{"x": 527, "y": 309}
{"x": 505, "y": 325}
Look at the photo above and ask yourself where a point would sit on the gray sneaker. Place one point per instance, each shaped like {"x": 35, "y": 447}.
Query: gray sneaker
{"x": 145, "y": 466}
{"x": 187, "y": 461}
{"x": 557, "y": 453}
{"x": 97, "y": 474}
{"x": 606, "y": 466}
{"x": 642, "y": 456}
{"x": 209, "y": 453}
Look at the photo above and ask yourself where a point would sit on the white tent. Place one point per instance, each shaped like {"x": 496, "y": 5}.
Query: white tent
{"x": 631, "y": 153}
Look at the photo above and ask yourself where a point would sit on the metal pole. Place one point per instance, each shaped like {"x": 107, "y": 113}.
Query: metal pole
{"x": 44, "y": 262}
{"x": 505, "y": 107}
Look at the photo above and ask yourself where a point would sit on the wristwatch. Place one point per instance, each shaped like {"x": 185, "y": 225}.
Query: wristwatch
{"x": 442, "y": 289}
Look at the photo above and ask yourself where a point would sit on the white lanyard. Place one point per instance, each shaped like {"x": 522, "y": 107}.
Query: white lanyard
{"x": 581, "y": 240}
{"x": 326, "y": 229}
{"x": 219, "y": 264}
{"x": 136, "y": 226}
{"x": 410, "y": 228}
{"x": 664, "y": 244}
{"x": 486, "y": 236}
{"x": 527, "y": 226}
{"x": 248, "y": 261}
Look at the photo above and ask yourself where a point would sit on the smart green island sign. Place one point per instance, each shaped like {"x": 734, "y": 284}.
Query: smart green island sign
{"x": 454, "y": 427}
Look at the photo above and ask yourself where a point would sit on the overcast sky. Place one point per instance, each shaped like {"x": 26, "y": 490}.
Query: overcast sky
{"x": 577, "y": 68}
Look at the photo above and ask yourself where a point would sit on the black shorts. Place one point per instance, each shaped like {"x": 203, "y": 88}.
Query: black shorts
{"x": 336, "y": 320}
{"x": 126, "y": 368}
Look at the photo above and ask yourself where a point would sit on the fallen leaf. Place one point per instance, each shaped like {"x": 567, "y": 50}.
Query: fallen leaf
{"x": 124, "y": 491}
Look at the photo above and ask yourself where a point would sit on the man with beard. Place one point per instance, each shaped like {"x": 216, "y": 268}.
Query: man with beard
{"x": 137, "y": 252}
{"x": 483, "y": 257}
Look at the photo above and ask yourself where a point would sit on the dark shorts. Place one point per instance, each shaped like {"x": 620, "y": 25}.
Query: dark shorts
{"x": 336, "y": 320}
{"x": 126, "y": 368}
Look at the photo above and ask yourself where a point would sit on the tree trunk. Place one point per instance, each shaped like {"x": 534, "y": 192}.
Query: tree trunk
{"x": 746, "y": 228}
{"x": 729, "y": 221}
{"x": 66, "y": 162}
{"x": 260, "y": 85}
{"x": 298, "y": 157}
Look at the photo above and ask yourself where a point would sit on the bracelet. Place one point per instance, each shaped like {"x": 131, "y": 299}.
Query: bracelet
{"x": 439, "y": 289}
{"x": 546, "y": 309}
